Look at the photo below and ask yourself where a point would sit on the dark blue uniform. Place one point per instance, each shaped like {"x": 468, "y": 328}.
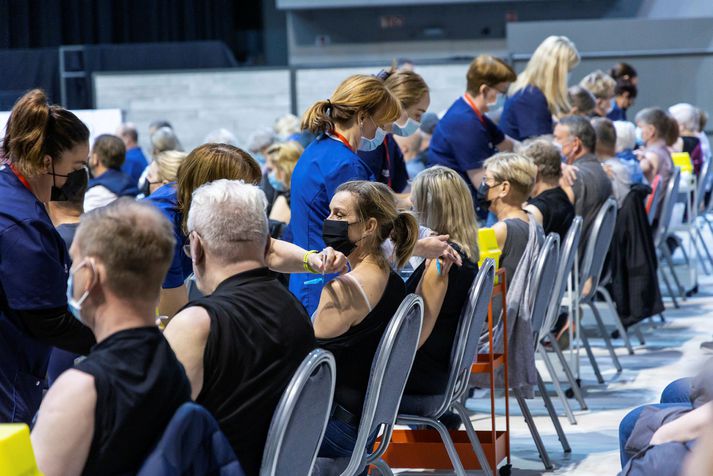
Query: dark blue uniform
{"x": 526, "y": 114}
{"x": 387, "y": 164}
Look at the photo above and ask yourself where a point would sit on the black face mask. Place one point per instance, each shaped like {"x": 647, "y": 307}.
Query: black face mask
{"x": 145, "y": 188}
{"x": 73, "y": 188}
{"x": 481, "y": 198}
{"x": 335, "y": 233}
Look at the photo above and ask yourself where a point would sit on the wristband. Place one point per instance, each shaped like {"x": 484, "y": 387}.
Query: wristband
{"x": 305, "y": 262}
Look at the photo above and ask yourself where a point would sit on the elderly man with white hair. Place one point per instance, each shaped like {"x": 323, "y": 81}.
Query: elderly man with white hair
{"x": 688, "y": 118}
{"x": 241, "y": 344}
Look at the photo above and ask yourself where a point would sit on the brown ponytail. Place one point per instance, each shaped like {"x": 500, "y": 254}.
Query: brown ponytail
{"x": 36, "y": 129}
{"x": 356, "y": 93}
{"x": 404, "y": 235}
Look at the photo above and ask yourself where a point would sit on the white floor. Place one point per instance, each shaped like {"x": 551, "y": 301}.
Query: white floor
{"x": 671, "y": 351}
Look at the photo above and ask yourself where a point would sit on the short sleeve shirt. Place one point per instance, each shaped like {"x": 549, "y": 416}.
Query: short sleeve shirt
{"x": 463, "y": 140}
{"x": 325, "y": 164}
{"x": 387, "y": 164}
{"x": 166, "y": 200}
{"x": 526, "y": 114}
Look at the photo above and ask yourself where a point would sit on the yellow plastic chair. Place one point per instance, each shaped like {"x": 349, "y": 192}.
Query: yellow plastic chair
{"x": 682, "y": 160}
{"x": 16, "y": 455}
{"x": 488, "y": 247}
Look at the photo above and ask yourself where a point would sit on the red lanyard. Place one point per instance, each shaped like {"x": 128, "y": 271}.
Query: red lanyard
{"x": 341, "y": 138}
{"x": 388, "y": 160}
{"x": 474, "y": 107}
{"x": 20, "y": 177}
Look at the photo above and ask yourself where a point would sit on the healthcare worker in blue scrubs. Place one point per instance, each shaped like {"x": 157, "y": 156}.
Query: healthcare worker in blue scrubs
{"x": 43, "y": 144}
{"x": 465, "y": 137}
{"x": 540, "y": 91}
{"x": 387, "y": 160}
{"x": 352, "y": 119}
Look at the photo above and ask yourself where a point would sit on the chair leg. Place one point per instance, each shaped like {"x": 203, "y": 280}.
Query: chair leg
{"x": 668, "y": 287}
{"x": 605, "y": 336}
{"x": 669, "y": 261}
{"x": 662, "y": 319}
{"x": 590, "y": 354}
{"x": 639, "y": 334}
{"x": 556, "y": 384}
{"x": 700, "y": 242}
{"x": 473, "y": 437}
{"x": 383, "y": 468}
{"x": 617, "y": 320}
{"x": 533, "y": 430}
{"x": 445, "y": 437}
{"x": 553, "y": 415}
{"x": 568, "y": 372}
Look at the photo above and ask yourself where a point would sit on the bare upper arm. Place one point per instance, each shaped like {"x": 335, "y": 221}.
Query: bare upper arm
{"x": 187, "y": 334}
{"x": 341, "y": 306}
{"x": 63, "y": 433}
{"x": 501, "y": 233}
{"x": 535, "y": 212}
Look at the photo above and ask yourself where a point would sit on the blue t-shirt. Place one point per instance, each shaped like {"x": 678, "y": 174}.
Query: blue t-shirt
{"x": 526, "y": 114}
{"x": 325, "y": 165}
{"x": 629, "y": 159}
{"x": 616, "y": 113}
{"x": 134, "y": 164}
{"x": 34, "y": 266}
{"x": 166, "y": 199}
{"x": 389, "y": 165}
{"x": 462, "y": 141}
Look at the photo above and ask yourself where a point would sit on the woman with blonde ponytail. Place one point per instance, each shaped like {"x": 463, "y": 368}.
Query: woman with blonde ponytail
{"x": 352, "y": 119}
{"x": 355, "y": 308}
{"x": 44, "y": 145}
{"x": 540, "y": 91}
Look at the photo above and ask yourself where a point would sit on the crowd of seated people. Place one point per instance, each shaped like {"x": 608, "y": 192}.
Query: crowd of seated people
{"x": 367, "y": 183}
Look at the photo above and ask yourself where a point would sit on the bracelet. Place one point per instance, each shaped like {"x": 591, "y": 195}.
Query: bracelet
{"x": 305, "y": 262}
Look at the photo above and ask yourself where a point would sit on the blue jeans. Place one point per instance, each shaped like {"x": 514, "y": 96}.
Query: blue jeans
{"x": 676, "y": 394}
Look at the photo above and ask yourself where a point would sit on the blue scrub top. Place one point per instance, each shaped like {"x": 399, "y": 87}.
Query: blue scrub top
{"x": 325, "y": 165}
{"x": 616, "y": 113}
{"x": 462, "y": 141}
{"x": 389, "y": 169}
{"x": 134, "y": 164}
{"x": 34, "y": 266}
{"x": 166, "y": 200}
{"x": 526, "y": 114}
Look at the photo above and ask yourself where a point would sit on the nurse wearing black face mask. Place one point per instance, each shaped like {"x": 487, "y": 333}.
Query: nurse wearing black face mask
{"x": 355, "y": 307}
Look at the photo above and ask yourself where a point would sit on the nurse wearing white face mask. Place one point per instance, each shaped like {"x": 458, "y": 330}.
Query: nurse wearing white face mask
{"x": 352, "y": 119}
{"x": 386, "y": 160}
{"x": 465, "y": 137}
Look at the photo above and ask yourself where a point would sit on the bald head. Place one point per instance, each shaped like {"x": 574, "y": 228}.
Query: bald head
{"x": 128, "y": 134}
{"x": 133, "y": 241}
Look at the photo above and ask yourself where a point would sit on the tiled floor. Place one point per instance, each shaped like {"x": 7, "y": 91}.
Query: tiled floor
{"x": 671, "y": 351}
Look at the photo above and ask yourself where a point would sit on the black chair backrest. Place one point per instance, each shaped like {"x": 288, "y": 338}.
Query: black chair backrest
{"x": 568, "y": 253}
{"x": 301, "y": 417}
{"x": 389, "y": 372}
{"x": 674, "y": 184}
{"x": 543, "y": 282}
{"x": 598, "y": 246}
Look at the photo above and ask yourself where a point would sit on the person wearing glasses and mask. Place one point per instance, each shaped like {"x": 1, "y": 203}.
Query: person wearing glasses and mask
{"x": 43, "y": 145}
{"x": 465, "y": 136}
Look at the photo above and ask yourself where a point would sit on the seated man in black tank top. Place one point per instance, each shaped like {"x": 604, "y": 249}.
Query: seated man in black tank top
{"x": 548, "y": 203}
{"x": 107, "y": 414}
{"x": 242, "y": 343}
{"x": 354, "y": 309}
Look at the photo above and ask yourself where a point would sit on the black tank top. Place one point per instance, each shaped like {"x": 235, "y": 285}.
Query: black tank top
{"x": 431, "y": 366}
{"x": 140, "y": 384}
{"x": 354, "y": 350}
{"x": 557, "y": 211}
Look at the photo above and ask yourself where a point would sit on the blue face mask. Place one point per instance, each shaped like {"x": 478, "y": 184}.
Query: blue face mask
{"x": 367, "y": 145}
{"x": 407, "y": 129}
{"x": 259, "y": 158}
{"x": 639, "y": 137}
{"x": 275, "y": 183}
{"x": 74, "y": 305}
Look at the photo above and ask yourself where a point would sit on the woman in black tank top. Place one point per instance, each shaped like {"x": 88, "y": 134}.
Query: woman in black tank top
{"x": 355, "y": 308}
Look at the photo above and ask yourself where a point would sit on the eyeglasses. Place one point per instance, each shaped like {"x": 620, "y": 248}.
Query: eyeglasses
{"x": 187, "y": 247}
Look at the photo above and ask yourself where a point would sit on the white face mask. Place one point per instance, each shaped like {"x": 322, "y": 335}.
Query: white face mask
{"x": 639, "y": 136}
{"x": 407, "y": 129}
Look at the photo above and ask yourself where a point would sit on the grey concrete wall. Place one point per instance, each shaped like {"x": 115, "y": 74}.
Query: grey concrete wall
{"x": 197, "y": 102}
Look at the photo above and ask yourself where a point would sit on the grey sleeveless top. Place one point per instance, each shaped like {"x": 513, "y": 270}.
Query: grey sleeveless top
{"x": 514, "y": 247}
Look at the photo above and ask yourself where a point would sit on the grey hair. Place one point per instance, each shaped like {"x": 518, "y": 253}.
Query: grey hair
{"x": 286, "y": 125}
{"x": 228, "y": 214}
{"x": 221, "y": 136}
{"x": 165, "y": 139}
{"x": 625, "y": 135}
{"x": 260, "y": 139}
{"x": 580, "y": 128}
{"x": 687, "y": 116}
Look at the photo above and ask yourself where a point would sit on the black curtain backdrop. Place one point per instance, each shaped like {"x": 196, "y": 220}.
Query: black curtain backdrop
{"x": 48, "y": 23}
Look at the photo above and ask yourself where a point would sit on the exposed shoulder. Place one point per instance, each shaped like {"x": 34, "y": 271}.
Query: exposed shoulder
{"x": 73, "y": 391}
{"x": 535, "y": 212}
{"x": 501, "y": 233}
{"x": 194, "y": 320}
